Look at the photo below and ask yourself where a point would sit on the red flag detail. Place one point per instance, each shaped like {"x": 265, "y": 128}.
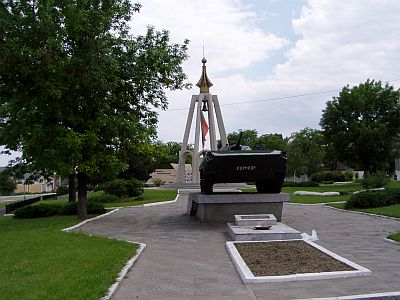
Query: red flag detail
{"x": 204, "y": 127}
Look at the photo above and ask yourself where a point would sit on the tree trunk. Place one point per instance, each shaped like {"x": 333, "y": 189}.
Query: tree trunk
{"x": 71, "y": 188}
{"x": 82, "y": 196}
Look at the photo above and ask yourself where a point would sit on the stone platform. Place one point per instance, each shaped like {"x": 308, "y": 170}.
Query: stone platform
{"x": 222, "y": 207}
{"x": 276, "y": 232}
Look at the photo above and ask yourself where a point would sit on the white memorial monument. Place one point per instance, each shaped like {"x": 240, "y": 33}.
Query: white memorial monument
{"x": 209, "y": 105}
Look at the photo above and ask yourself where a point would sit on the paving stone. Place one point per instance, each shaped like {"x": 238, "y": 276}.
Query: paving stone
{"x": 185, "y": 259}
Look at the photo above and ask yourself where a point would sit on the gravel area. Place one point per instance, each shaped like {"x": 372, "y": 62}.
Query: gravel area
{"x": 284, "y": 258}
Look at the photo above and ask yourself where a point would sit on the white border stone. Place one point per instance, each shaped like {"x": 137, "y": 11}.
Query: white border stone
{"x": 361, "y": 212}
{"x": 247, "y": 276}
{"x": 88, "y": 220}
{"x": 391, "y": 241}
{"x": 124, "y": 271}
{"x": 150, "y": 204}
{"x": 363, "y": 296}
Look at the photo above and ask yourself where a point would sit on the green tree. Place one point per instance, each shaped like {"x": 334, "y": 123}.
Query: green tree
{"x": 249, "y": 137}
{"x": 7, "y": 184}
{"x": 305, "y": 152}
{"x": 362, "y": 125}
{"x": 76, "y": 88}
{"x": 272, "y": 141}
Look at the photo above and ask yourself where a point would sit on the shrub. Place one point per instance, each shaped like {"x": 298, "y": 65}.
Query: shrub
{"x": 124, "y": 188}
{"x": 46, "y": 210}
{"x": 328, "y": 176}
{"x": 99, "y": 187}
{"x": 71, "y": 208}
{"x": 158, "y": 182}
{"x": 62, "y": 190}
{"x": 36, "y": 211}
{"x": 102, "y": 198}
{"x": 300, "y": 184}
{"x": 348, "y": 176}
{"x": 372, "y": 181}
{"x": 134, "y": 187}
{"x": 369, "y": 199}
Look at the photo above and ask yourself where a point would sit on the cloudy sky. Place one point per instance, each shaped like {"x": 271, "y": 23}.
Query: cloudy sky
{"x": 264, "y": 55}
{"x": 268, "y": 49}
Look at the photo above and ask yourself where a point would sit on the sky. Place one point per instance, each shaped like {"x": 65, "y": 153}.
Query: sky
{"x": 263, "y": 50}
{"x": 274, "y": 63}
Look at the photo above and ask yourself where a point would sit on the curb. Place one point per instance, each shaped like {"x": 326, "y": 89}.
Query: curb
{"x": 124, "y": 271}
{"x": 149, "y": 204}
{"x": 363, "y": 296}
{"x": 121, "y": 275}
{"x": 248, "y": 277}
{"x": 322, "y": 203}
{"x": 391, "y": 241}
{"x": 68, "y": 229}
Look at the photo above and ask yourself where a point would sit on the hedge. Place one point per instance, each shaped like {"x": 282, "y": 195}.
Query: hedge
{"x": 370, "y": 199}
{"x": 47, "y": 210}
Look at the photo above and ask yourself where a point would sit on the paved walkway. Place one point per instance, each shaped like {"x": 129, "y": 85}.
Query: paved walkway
{"x": 185, "y": 259}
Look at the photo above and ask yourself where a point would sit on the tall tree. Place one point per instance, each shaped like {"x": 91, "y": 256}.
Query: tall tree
{"x": 7, "y": 184}
{"x": 362, "y": 125}
{"x": 249, "y": 137}
{"x": 76, "y": 88}
{"x": 305, "y": 152}
{"x": 272, "y": 141}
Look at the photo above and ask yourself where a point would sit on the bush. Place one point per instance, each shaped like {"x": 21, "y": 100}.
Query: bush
{"x": 62, "y": 190}
{"x": 373, "y": 181}
{"x": 36, "y": 211}
{"x": 348, "y": 176}
{"x": 369, "y": 199}
{"x": 71, "y": 208}
{"x": 102, "y": 198}
{"x": 328, "y": 176}
{"x": 300, "y": 184}
{"x": 158, "y": 182}
{"x": 46, "y": 210}
{"x": 124, "y": 188}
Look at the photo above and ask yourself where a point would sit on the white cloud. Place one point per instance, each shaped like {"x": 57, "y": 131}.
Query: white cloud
{"x": 339, "y": 43}
{"x": 227, "y": 28}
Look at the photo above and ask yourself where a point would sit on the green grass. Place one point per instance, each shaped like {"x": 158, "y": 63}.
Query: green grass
{"x": 347, "y": 189}
{"x": 393, "y": 185}
{"x": 390, "y": 210}
{"x": 148, "y": 196}
{"x": 344, "y": 188}
{"x": 318, "y": 199}
{"x": 395, "y": 237}
{"x": 41, "y": 262}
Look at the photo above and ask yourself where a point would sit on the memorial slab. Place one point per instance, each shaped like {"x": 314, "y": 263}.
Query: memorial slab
{"x": 276, "y": 232}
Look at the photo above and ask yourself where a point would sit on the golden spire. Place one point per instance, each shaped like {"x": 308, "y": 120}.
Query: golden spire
{"x": 204, "y": 83}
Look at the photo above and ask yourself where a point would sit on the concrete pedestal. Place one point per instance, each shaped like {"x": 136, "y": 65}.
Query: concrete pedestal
{"x": 222, "y": 207}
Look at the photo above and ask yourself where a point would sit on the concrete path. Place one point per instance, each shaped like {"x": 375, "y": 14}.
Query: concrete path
{"x": 185, "y": 259}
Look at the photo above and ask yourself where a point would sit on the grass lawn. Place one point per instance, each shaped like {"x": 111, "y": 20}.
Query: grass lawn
{"x": 41, "y": 262}
{"x": 318, "y": 199}
{"x": 148, "y": 196}
{"x": 390, "y": 211}
{"x": 348, "y": 189}
{"x": 395, "y": 237}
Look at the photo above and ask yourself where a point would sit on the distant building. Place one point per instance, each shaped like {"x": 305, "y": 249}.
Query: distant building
{"x": 397, "y": 169}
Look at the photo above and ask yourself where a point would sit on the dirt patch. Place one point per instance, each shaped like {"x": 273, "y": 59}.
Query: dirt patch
{"x": 284, "y": 258}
